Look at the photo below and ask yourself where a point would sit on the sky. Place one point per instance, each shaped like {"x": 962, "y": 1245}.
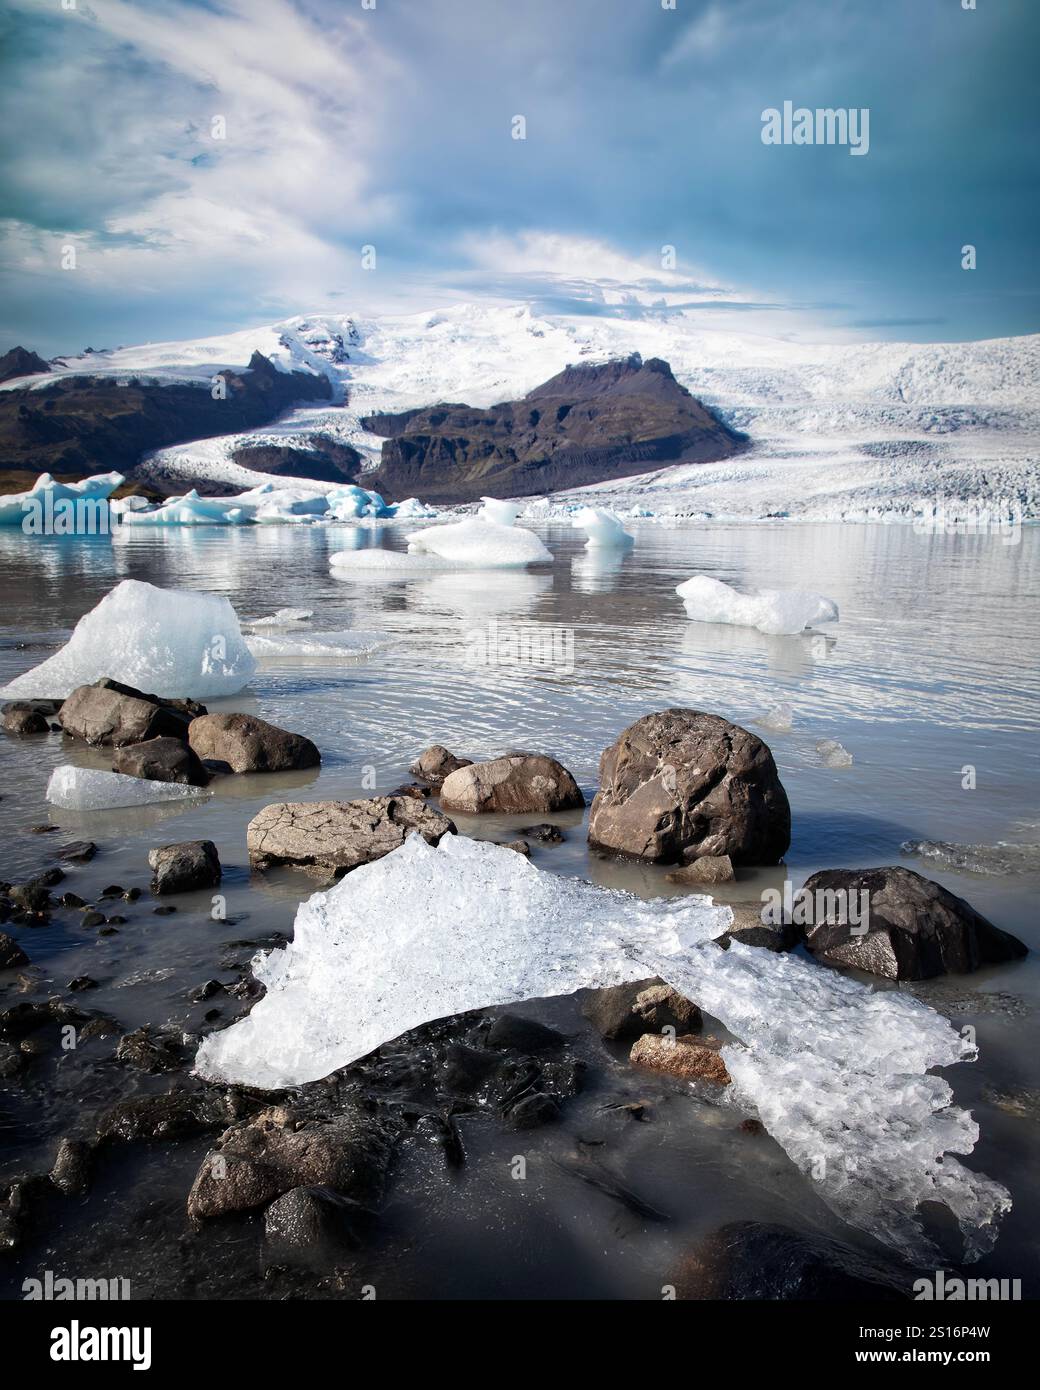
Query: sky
{"x": 189, "y": 167}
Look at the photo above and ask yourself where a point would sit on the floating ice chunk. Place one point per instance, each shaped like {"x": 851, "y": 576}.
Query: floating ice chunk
{"x": 74, "y": 502}
{"x": 284, "y": 617}
{"x": 779, "y": 718}
{"x": 602, "y": 526}
{"x": 317, "y": 644}
{"x": 134, "y": 503}
{"x": 494, "y": 509}
{"x": 773, "y": 611}
{"x": 172, "y": 642}
{"x": 191, "y": 510}
{"x": 411, "y": 509}
{"x": 376, "y": 560}
{"x": 838, "y": 1072}
{"x": 832, "y": 754}
{"x": 88, "y": 789}
{"x": 479, "y": 543}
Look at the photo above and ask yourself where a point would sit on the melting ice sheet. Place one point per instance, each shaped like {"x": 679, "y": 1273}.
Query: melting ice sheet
{"x": 772, "y": 611}
{"x": 837, "y": 1072}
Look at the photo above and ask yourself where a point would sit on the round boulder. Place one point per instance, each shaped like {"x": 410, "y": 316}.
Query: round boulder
{"x": 516, "y": 784}
{"x": 247, "y": 744}
{"x": 679, "y": 785}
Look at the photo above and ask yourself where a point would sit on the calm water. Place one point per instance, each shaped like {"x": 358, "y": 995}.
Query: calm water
{"x": 931, "y": 669}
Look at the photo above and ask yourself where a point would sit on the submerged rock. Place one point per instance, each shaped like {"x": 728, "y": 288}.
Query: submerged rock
{"x": 11, "y": 954}
{"x": 161, "y": 760}
{"x": 333, "y": 837}
{"x": 685, "y": 1057}
{"x": 682, "y": 784}
{"x": 748, "y": 1260}
{"x": 709, "y": 868}
{"x": 259, "y": 1160}
{"x": 23, "y": 717}
{"x": 515, "y": 784}
{"x": 914, "y": 928}
{"x": 183, "y": 867}
{"x": 108, "y": 712}
{"x": 248, "y": 744}
{"x": 71, "y": 1171}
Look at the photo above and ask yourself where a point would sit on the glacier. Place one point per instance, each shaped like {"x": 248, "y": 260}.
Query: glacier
{"x": 772, "y": 611}
{"x": 175, "y": 643}
{"x": 89, "y": 789}
{"x": 838, "y": 1072}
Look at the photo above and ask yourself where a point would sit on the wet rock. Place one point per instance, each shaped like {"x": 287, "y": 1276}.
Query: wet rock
{"x": 113, "y": 890}
{"x": 248, "y": 744}
{"x": 21, "y": 718}
{"x": 148, "y": 1053}
{"x": 80, "y": 851}
{"x": 164, "y": 911}
{"x": 750, "y": 930}
{"x": 681, "y": 784}
{"x": 747, "y": 1260}
{"x": 518, "y": 847}
{"x": 13, "y": 1061}
{"x": 685, "y": 1057}
{"x": 512, "y": 785}
{"x": 93, "y": 919}
{"x": 206, "y": 991}
{"x": 11, "y": 954}
{"x": 110, "y": 713}
{"x": 181, "y": 868}
{"x": 623, "y": 1012}
{"x": 710, "y": 868}
{"x": 161, "y": 760}
{"x": 435, "y": 763}
{"x": 17, "y": 1199}
{"x": 523, "y": 1034}
{"x": 174, "y": 1115}
{"x": 71, "y": 1171}
{"x": 532, "y": 1111}
{"x": 34, "y": 895}
{"x": 412, "y": 789}
{"x": 80, "y": 983}
{"x": 467, "y": 1069}
{"x": 307, "y": 1226}
{"x": 915, "y": 929}
{"x": 256, "y": 1162}
{"x": 332, "y": 837}
{"x": 545, "y": 834}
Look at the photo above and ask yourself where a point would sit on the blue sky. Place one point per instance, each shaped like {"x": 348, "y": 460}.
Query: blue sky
{"x": 392, "y": 127}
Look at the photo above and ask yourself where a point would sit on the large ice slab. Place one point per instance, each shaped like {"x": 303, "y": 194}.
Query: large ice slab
{"x": 390, "y": 563}
{"x": 773, "y": 611}
{"x": 89, "y": 789}
{"x": 837, "y": 1071}
{"x": 480, "y": 543}
{"x": 171, "y": 642}
{"x": 18, "y": 507}
{"x": 603, "y": 528}
{"x": 192, "y": 510}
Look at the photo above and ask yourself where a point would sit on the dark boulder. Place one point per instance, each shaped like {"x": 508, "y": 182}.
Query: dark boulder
{"x": 914, "y": 928}
{"x": 11, "y": 954}
{"x": 161, "y": 760}
{"x": 329, "y": 838}
{"x": 184, "y": 867}
{"x": 247, "y": 744}
{"x": 515, "y": 784}
{"x": 435, "y": 763}
{"x": 22, "y": 717}
{"x": 108, "y": 712}
{"x": 623, "y": 1012}
{"x": 681, "y": 784}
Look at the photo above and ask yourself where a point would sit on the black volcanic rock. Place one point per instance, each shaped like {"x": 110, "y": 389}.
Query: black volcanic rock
{"x": 85, "y": 424}
{"x": 321, "y": 458}
{"x": 21, "y": 362}
{"x": 589, "y": 424}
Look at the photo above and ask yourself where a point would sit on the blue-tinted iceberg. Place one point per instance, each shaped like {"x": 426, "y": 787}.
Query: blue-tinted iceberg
{"x": 79, "y": 506}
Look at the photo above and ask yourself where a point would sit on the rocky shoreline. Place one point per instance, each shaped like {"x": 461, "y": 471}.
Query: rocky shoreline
{"x": 310, "y": 1170}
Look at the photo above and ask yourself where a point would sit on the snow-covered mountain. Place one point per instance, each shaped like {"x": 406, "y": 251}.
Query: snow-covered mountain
{"x": 838, "y": 429}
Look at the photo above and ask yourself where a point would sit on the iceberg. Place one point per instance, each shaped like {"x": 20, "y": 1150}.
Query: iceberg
{"x": 832, "y": 754}
{"x": 170, "y": 642}
{"x": 494, "y": 509}
{"x": 82, "y": 499}
{"x": 386, "y": 563}
{"x": 602, "y": 526}
{"x": 480, "y": 543}
{"x": 411, "y": 509}
{"x": 773, "y": 611}
{"x": 779, "y": 718}
{"x": 191, "y": 510}
{"x": 837, "y": 1071}
{"x": 88, "y": 789}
